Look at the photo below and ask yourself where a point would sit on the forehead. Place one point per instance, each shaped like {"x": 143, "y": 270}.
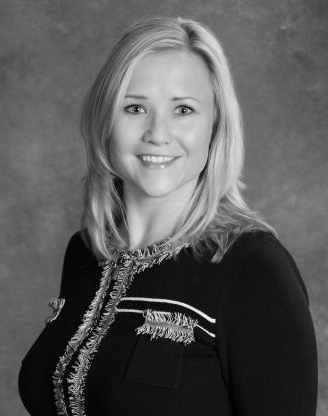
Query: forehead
{"x": 170, "y": 72}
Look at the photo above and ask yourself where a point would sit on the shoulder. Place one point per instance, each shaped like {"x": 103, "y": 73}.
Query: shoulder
{"x": 250, "y": 241}
{"x": 78, "y": 251}
{"x": 265, "y": 265}
{"x": 76, "y": 271}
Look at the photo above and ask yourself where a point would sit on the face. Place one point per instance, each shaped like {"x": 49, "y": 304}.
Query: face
{"x": 162, "y": 131}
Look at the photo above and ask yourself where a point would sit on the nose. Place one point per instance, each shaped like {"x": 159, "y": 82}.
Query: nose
{"x": 157, "y": 132}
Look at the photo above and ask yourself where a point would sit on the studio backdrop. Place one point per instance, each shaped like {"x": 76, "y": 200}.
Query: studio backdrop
{"x": 50, "y": 54}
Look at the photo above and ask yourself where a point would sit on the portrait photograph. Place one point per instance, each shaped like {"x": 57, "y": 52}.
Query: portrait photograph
{"x": 164, "y": 208}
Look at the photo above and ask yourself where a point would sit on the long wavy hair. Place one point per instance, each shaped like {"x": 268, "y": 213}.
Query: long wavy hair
{"x": 216, "y": 215}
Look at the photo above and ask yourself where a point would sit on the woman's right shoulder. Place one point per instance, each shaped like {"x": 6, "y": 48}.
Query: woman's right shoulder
{"x": 78, "y": 258}
{"x": 78, "y": 249}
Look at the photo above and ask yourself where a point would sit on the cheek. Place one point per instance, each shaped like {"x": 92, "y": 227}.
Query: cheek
{"x": 202, "y": 155}
{"x": 123, "y": 137}
{"x": 115, "y": 154}
{"x": 197, "y": 146}
{"x": 118, "y": 145}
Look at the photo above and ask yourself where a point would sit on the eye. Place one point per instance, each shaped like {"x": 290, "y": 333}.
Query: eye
{"x": 133, "y": 107}
{"x": 184, "y": 106}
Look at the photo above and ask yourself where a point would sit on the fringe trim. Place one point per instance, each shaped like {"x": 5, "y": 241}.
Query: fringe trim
{"x": 132, "y": 263}
{"x": 175, "y": 326}
{"x": 56, "y": 304}
{"x": 76, "y": 379}
{"x": 89, "y": 321}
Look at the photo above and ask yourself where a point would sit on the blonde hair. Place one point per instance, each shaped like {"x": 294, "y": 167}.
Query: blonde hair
{"x": 216, "y": 213}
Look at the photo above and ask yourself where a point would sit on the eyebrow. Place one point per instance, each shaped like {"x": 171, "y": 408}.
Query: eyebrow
{"x": 143, "y": 97}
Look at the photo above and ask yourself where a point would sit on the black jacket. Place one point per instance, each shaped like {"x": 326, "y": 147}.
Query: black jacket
{"x": 154, "y": 336}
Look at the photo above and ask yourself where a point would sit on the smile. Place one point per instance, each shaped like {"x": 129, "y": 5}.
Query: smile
{"x": 154, "y": 161}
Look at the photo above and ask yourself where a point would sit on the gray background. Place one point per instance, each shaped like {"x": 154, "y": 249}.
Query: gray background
{"x": 50, "y": 53}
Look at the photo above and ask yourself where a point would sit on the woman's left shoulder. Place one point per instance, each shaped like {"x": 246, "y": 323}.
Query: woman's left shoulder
{"x": 262, "y": 245}
{"x": 264, "y": 259}
{"x": 249, "y": 241}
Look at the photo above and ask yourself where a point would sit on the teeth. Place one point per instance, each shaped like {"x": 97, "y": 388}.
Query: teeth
{"x": 156, "y": 159}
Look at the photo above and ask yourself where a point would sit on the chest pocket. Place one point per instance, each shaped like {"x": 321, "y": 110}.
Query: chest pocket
{"x": 157, "y": 357}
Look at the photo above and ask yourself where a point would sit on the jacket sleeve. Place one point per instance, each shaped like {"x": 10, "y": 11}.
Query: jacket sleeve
{"x": 265, "y": 336}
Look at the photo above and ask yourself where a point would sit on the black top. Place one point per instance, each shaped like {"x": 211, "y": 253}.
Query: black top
{"x": 150, "y": 335}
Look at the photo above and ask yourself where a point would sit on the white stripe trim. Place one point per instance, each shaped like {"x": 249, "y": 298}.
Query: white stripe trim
{"x": 205, "y": 330}
{"x": 174, "y": 302}
{"x": 141, "y": 311}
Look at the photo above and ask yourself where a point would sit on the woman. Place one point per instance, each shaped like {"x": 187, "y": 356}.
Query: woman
{"x": 176, "y": 298}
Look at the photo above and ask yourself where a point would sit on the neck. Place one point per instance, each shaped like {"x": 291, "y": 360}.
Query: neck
{"x": 152, "y": 219}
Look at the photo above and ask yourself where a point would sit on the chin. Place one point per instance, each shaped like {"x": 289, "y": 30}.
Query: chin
{"x": 153, "y": 187}
{"x": 157, "y": 193}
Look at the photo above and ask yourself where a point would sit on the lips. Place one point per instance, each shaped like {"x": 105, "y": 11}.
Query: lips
{"x": 157, "y": 161}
